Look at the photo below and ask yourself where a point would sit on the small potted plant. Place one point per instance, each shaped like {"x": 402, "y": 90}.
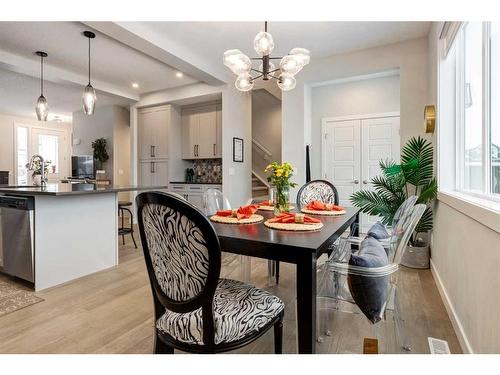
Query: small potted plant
{"x": 100, "y": 153}
{"x": 36, "y": 171}
{"x": 279, "y": 177}
{"x": 413, "y": 176}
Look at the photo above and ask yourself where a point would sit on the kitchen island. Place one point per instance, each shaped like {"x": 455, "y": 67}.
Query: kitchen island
{"x": 74, "y": 230}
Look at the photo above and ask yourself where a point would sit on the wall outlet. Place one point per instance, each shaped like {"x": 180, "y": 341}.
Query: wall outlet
{"x": 231, "y": 171}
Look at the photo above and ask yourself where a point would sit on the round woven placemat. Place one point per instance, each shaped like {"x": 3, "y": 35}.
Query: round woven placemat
{"x": 328, "y": 213}
{"x": 233, "y": 220}
{"x": 293, "y": 226}
{"x": 271, "y": 208}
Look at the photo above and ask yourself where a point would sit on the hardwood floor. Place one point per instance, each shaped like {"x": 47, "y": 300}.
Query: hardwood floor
{"x": 111, "y": 312}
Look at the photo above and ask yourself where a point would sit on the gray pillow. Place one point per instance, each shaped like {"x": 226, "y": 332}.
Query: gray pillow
{"x": 369, "y": 293}
{"x": 378, "y": 231}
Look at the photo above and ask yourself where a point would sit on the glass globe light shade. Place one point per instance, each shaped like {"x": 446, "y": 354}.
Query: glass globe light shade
{"x": 290, "y": 65}
{"x": 263, "y": 43}
{"x": 244, "y": 82}
{"x": 42, "y": 108}
{"x": 301, "y": 55}
{"x": 89, "y": 98}
{"x": 286, "y": 82}
{"x": 237, "y": 61}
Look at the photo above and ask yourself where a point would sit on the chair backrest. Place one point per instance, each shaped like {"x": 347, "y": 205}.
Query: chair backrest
{"x": 404, "y": 230}
{"x": 214, "y": 200}
{"x": 181, "y": 250}
{"x": 177, "y": 195}
{"x": 403, "y": 209}
{"x": 319, "y": 190}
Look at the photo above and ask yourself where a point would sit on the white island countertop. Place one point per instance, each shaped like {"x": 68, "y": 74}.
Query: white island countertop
{"x": 59, "y": 189}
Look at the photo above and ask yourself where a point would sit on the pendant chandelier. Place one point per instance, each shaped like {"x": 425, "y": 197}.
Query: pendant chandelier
{"x": 89, "y": 97}
{"x": 241, "y": 65}
{"x": 42, "y": 107}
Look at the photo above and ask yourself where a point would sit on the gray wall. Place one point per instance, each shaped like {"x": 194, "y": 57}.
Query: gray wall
{"x": 266, "y": 128}
{"x": 113, "y": 124}
{"x": 366, "y": 96}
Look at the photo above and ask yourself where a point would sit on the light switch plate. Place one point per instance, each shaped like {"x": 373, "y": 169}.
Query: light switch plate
{"x": 231, "y": 171}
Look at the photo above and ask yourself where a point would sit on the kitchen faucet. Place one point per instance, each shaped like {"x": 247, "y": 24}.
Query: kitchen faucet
{"x": 31, "y": 167}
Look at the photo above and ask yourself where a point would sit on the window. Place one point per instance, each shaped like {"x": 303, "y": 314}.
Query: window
{"x": 48, "y": 147}
{"x": 22, "y": 155}
{"x": 477, "y": 90}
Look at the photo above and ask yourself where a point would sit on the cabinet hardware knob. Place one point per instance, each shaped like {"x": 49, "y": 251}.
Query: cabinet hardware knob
{"x": 365, "y": 182}
{"x": 356, "y": 182}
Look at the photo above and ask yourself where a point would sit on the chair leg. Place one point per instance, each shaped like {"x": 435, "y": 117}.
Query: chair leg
{"x": 401, "y": 335}
{"x": 277, "y": 271}
{"x": 160, "y": 347}
{"x": 278, "y": 336}
{"x": 132, "y": 227}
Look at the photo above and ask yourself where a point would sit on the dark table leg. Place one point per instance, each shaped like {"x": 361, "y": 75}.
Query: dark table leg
{"x": 355, "y": 230}
{"x": 306, "y": 304}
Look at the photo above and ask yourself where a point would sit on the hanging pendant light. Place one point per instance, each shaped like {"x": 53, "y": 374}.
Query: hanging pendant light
{"x": 42, "y": 107}
{"x": 89, "y": 97}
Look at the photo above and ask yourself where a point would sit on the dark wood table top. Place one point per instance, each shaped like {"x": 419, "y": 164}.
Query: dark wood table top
{"x": 254, "y": 239}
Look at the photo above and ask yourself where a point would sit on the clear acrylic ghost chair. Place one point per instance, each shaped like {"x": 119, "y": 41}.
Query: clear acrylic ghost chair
{"x": 334, "y": 289}
{"x": 405, "y": 207}
{"x": 213, "y": 201}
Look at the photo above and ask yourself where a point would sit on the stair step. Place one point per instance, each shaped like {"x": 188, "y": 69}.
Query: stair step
{"x": 259, "y": 188}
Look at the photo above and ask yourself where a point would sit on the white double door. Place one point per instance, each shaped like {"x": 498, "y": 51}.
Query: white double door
{"x": 352, "y": 150}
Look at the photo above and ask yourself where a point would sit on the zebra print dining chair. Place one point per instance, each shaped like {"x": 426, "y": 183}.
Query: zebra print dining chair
{"x": 319, "y": 190}
{"x": 195, "y": 310}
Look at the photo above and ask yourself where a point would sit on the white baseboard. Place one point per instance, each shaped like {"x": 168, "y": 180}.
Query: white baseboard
{"x": 457, "y": 326}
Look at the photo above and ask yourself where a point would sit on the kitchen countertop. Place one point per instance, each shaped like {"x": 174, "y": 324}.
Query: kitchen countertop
{"x": 196, "y": 183}
{"x": 59, "y": 189}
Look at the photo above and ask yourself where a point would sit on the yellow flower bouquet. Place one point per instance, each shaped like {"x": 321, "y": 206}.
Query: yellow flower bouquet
{"x": 280, "y": 176}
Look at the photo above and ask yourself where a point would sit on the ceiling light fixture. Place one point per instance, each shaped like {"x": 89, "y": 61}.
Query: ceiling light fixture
{"x": 42, "y": 107}
{"x": 179, "y": 74}
{"x": 241, "y": 65}
{"x": 135, "y": 85}
{"x": 89, "y": 97}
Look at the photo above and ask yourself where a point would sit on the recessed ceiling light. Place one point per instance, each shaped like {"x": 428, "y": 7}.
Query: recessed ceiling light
{"x": 179, "y": 74}
{"x": 135, "y": 85}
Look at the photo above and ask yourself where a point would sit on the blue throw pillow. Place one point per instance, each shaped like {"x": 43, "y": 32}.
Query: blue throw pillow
{"x": 369, "y": 293}
{"x": 378, "y": 231}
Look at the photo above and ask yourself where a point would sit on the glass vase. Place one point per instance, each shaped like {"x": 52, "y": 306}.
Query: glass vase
{"x": 281, "y": 199}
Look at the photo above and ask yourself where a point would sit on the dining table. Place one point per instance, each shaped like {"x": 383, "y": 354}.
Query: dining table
{"x": 302, "y": 248}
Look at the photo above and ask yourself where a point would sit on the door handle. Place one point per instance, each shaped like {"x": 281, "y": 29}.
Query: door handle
{"x": 197, "y": 150}
{"x": 365, "y": 182}
{"x": 151, "y": 151}
{"x": 194, "y": 150}
{"x": 215, "y": 149}
{"x": 152, "y": 167}
{"x": 356, "y": 182}
{"x": 154, "y": 151}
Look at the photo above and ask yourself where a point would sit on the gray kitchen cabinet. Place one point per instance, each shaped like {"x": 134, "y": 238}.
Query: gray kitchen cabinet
{"x": 153, "y": 126}
{"x": 153, "y": 173}
{"x": 202, "y": 132}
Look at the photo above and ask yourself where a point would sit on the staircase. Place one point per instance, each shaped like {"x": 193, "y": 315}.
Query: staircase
{"x": 260, "y": 188}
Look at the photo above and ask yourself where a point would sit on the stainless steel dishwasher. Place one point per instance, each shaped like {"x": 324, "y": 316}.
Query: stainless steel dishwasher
{"x": 17, "y": 236}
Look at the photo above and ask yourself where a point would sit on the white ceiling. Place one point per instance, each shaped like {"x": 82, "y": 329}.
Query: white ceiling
{"x": 209, "y": 40}
{"x": 19, "y": 92}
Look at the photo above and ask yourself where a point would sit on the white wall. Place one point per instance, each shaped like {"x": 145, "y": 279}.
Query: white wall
{"x": 364, "y": 96}
{"x": 266, "y": 128}
{"x": 410, "y": 57}
{"x": 465, "y": 252}
{"x": 236, "y": 122}
{"x": 7, "y": 122}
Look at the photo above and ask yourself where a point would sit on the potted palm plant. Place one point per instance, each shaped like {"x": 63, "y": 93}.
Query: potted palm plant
{"x": 100, "y": 152}
{"x": 413, "y": 176}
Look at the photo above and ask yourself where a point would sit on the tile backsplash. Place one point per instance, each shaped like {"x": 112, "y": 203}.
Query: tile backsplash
{"x": 207, "y": 170}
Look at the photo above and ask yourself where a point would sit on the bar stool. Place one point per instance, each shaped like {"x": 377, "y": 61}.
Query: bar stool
{"x": 122, "y": 231}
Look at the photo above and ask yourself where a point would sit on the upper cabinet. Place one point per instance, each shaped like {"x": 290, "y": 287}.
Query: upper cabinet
{"x": 153, "y": 132}
{"x": 202, "y": 132}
